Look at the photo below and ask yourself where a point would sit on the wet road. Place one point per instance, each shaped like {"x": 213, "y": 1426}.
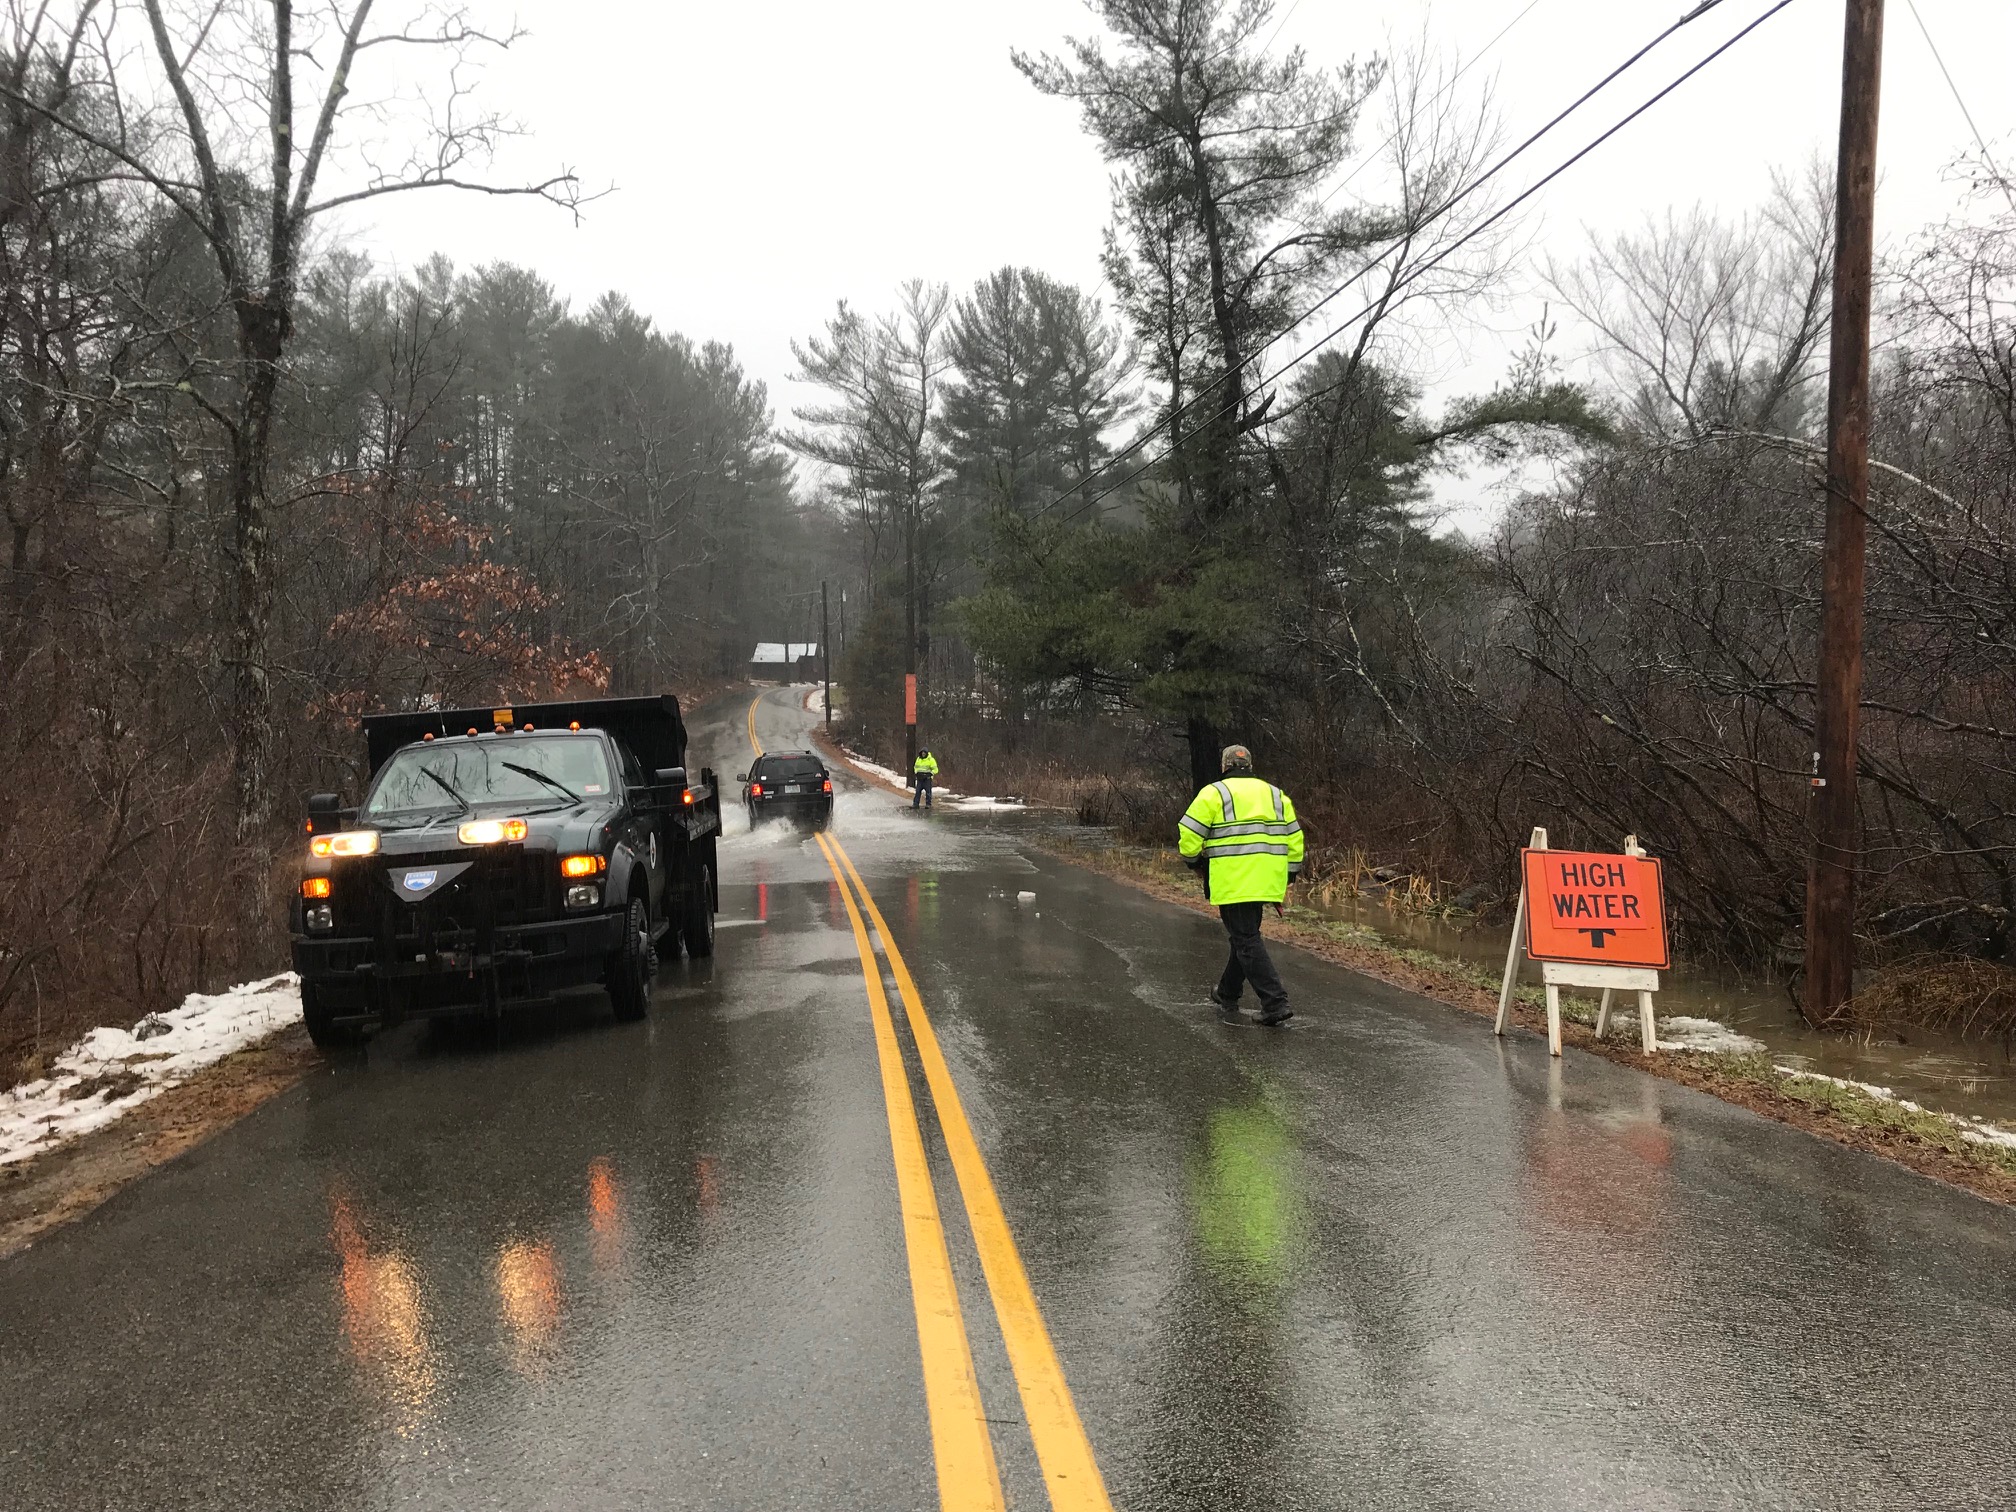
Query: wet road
{"x": 1018, "y": 1225}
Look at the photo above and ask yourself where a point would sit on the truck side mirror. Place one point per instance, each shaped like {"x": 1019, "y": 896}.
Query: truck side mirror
{"x": 325, "y": 812}
{"x": 670, "y": 777}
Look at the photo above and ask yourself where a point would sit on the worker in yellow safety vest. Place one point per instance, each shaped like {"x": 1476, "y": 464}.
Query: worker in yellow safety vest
{"x": 922, "y": 771}
{"x": 1243, "y": 835}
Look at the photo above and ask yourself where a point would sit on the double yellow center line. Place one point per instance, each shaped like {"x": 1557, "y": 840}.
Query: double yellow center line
{"x": 966, "y": 1473}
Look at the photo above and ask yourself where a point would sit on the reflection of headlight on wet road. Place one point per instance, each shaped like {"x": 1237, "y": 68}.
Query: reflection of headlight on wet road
{"x": 528, "y": 1293}
{"x": 383, "y": 1319}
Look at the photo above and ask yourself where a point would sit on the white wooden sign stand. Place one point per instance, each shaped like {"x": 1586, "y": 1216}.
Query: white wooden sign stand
{"x": 1642, "y": 980}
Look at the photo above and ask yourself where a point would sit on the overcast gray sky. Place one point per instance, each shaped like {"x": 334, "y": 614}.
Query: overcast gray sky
{"x": 771, "y": 159}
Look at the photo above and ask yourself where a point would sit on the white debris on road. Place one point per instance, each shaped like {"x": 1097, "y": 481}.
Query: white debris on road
{"x": 1025, "y": 897}
{"x": 111, "y": 1071}
{"x": 973, "y": 804}
{"x": 1708, "y": 1036}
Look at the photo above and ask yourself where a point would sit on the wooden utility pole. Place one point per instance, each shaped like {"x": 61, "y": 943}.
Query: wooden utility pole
{"x": 826, "y": 649}
{"x": 1830, "y": 876}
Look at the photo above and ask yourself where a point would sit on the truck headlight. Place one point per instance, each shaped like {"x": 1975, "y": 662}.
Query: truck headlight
{"x": 490, "y": 831}
{"x": 345, "y": 843}
{"x": 320, "y": 919}
{"x": 586, "y": 895}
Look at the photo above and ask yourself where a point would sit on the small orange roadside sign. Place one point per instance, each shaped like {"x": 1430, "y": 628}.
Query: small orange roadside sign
{"x": 1598, "y": 909}
{"x": 910, "y": 698}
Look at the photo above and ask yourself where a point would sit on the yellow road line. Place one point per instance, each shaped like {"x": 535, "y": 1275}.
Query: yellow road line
{"x": 754, "y": 743}
{"x": 968, "y": 1480}
{"x": 1069, "y": 1468}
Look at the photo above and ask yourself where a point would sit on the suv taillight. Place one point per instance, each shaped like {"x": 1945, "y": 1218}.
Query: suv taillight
{"x": 827, "y": 786}
{"x": 755, "y": 790}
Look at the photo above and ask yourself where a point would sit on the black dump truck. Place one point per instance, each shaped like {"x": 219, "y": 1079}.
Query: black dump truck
{"x": 502, "y": 856}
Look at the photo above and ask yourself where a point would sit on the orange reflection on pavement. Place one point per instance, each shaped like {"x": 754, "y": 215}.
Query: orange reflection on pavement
{"x": 763, "y": 901}
{"x": 383, "y": 1318}
{"x": 605, "y": 1213}
{"x": 710, "y": 1194}
{"x": 528, "y": 1290}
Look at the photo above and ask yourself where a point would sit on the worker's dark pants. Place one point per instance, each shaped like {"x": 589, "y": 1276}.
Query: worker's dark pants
{"x": 922, "y": 781}
{"x": 1249, "y": 961}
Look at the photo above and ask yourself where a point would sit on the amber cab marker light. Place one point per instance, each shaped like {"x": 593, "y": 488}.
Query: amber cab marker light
{"x": 573, "y": 724}
{"x": 314, "y": 887}
{"x": 345, "y": 843}
{"x": 428, "y": 736}
{"x": 490, "y": 831}
{"x": 583, "y": 866}
{"x": 527, "y": 727}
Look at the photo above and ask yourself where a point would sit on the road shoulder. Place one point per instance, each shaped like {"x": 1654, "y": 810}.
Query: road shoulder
{"x": 48, "y": 1191}
{"x": 1926, "y": 1143}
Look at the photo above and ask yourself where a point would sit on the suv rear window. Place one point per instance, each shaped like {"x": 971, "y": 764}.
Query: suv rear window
{"x": 789, "y": 768}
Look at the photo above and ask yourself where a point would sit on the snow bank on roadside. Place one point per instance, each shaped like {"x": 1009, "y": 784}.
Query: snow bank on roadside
{"x": 1708, "y": 1036}
{"x": 1972, "y": 1129}
{"x": 111, "y": 1071}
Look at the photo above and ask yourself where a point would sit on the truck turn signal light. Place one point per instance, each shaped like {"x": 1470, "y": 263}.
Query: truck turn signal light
{"x": 583, "y": 866}
{"x": 314, "y": 887}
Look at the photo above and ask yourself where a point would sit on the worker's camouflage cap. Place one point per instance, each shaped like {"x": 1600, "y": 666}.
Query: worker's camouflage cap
{"x": 1235, "y": 759}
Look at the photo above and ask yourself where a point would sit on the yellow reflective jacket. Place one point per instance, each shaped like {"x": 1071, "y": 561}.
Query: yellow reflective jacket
{"x": 1247, "y": 831}
{"x": 926, "y": 765}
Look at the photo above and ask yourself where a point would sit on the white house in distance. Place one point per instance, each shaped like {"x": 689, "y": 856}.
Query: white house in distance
{"x": 785, "y": 661}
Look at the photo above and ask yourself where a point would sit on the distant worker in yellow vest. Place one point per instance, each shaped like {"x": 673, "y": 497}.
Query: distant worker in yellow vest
{"x": 921, "y": 772}
{"x": 1242, "y": 834}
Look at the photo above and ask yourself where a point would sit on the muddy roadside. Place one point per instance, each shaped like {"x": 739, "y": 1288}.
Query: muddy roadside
{"x": 46, "y": 1191}
{"x": 1928, "y": 1143}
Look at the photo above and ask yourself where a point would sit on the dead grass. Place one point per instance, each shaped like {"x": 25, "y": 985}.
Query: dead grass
{"x": 1970, "y": 998}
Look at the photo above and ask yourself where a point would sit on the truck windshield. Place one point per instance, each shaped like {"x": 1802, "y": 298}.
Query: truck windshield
{"x": 490, "y": 770}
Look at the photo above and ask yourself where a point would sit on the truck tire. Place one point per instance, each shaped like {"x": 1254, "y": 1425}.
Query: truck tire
{"x": 696, "y": 926}
{"x": 629, "y": 973}
{"x": 323, "y": 1030}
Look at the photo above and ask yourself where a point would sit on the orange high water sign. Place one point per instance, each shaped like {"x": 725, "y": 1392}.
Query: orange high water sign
{"x": 1599, "y": 909}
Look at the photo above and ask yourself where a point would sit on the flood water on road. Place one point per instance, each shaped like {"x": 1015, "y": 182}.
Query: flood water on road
{"x": 1972, "y": 1078}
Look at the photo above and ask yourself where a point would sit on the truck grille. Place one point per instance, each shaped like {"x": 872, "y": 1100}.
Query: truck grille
{"x": 504, "y": 885}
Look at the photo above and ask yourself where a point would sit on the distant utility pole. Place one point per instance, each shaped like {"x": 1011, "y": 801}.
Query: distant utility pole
{"x": 826, "y": 648}
{"x": 1837, "y": 842}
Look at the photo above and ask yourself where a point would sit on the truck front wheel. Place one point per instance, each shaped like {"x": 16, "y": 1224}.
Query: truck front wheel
{"x": 696, "y": 929}
{"x": 629, "y": 972}
{"x": 323, "y": 1029}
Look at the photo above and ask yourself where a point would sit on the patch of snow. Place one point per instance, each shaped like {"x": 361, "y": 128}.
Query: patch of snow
{"x": 1707, "y": 1036}
{"x": 896, "y": 778}
{"x": 1980, "y": 1131}
{"x": 815, "y": 701}
{"x": 111, "y": 1071}
{"x": 986, "y": 803}
{"x": 1025, "y": 897}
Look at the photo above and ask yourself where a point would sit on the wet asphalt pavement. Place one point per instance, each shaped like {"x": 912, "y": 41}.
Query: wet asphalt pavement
{"x": 1379, "y": 1260}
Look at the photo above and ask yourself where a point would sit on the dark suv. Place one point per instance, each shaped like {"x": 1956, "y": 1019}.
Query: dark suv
{"x": 791, "y": 785}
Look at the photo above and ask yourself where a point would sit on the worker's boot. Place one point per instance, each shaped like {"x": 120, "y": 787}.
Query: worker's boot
{"x": 1228, "y": 1013}
{"x": 1279, "y": 1015}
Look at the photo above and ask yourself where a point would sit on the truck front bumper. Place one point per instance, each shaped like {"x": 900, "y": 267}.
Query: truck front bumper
{"x": 360, "y": 977}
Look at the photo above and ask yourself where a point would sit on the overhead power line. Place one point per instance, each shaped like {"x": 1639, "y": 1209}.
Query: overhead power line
{"x": 1435, "y": 215}
{"x": 1431, "y": 264}
{"x": 1958, "y": 99}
